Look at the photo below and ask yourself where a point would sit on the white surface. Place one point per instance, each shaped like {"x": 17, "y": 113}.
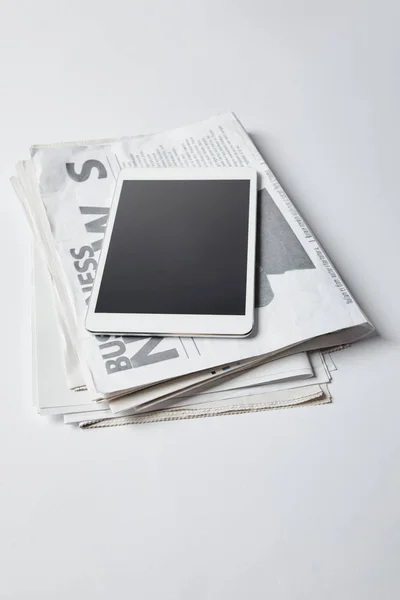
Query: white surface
{"x": 170, "y": 324}
{"x": 300, "y": 503}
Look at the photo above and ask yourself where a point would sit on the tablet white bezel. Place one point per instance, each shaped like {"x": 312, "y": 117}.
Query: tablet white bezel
{"x": 167, "y": 324}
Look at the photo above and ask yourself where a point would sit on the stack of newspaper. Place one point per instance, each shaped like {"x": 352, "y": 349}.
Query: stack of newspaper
{"x": 303, "y": 307}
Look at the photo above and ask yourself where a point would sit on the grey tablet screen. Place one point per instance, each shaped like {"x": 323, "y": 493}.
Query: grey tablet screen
{"x": 178, "y": 247}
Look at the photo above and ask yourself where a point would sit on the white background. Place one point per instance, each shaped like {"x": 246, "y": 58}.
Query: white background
{"x": 292, "y": 504}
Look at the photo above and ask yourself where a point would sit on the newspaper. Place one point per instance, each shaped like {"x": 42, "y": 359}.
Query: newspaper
{"x": 300, "y": 296}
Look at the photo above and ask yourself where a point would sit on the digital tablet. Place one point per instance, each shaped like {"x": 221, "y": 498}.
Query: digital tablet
{"x": 178, "y": 255}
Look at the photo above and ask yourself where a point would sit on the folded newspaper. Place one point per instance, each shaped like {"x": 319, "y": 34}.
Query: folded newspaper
{"x": 302, "y": 304}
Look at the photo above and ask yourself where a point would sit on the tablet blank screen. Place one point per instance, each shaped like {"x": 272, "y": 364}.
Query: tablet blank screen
{"x": 178, "y": 247}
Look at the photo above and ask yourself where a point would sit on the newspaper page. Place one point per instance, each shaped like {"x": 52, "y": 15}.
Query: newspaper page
{"x": 300, "y": 296}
